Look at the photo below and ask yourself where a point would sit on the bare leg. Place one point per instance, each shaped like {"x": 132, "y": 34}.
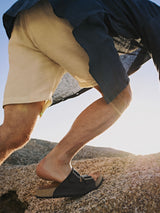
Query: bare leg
{"x": 94, "y": 120}
{"x": 19, "y": 120}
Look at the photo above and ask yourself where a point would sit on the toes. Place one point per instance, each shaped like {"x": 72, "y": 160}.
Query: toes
{"x": 95, "y": 175}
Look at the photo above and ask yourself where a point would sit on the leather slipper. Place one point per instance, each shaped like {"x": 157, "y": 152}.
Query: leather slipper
{"x": 75, "y": 185}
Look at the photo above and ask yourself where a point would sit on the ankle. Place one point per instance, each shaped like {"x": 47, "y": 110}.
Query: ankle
{"x": 51, "y": 169}
{"x": 62, "y": 153}
{"x": 58, "y": 157}
{"x": 63, "y": 160}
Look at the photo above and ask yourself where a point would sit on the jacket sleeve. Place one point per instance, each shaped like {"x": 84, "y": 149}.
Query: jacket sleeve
{"x": 151, "y": 39}
{"x": 104, "y": 62}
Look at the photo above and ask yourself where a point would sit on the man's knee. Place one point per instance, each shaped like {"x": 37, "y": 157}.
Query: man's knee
{"x": 18, "y": 123}
{"x": 125, "y": 96}
{"x": 123, "y": 99}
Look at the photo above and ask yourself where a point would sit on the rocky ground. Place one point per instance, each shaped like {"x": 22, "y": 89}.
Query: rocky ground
{"x": 35, "y": 150}
{"x": 131, "y": 184}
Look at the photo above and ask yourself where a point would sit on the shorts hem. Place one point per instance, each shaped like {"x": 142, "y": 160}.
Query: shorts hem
{"x": 88, "y": 85}
{"x": 48, "y": 102}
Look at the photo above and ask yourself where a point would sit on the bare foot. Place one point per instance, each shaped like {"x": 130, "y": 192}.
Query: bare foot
{"x": 95, "y": 175}
{"x": 55, "y": 172}
{"x": 52, "y": 170}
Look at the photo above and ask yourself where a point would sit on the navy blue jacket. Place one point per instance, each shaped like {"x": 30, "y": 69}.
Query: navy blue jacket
{"x": 105, "y": 28}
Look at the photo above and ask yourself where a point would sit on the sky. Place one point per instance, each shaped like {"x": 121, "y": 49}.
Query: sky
{"x": 137, "y": 131}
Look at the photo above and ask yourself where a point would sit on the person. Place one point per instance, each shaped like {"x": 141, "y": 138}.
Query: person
{"x": 85, "y": 38}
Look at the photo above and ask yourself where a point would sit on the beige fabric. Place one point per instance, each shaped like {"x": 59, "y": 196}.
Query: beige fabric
{"x": 41, "y": 49}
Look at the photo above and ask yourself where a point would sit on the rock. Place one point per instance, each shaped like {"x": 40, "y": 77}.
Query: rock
{"x": 131, "y": 185}
{"x": 35, "y": 150}
{"x": 67, "y": 88}
{"x": 9, "y": 203}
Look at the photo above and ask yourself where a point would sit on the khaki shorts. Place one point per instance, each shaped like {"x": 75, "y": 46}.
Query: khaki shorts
{"x": 42, "y": 49}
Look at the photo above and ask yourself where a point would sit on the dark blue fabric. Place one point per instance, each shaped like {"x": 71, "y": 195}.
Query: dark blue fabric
{"x": 77, "y": 11}
{"x": 104, "y": 65}
{"x": 98, "y": 26}
{"x": 10, "y": 15}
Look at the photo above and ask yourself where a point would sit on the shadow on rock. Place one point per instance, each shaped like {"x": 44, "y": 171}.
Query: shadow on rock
{"x": 9, "y": 202}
